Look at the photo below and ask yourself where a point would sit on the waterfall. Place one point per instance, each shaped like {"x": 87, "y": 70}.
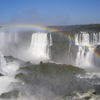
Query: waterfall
{"x": 2, "y": 63}
{"x": 7, "y": 37}
{"x": 69, "y": 51}
{"x": 8, "y": 42}
{"x": 76, "y": 39}
{"x": 50, "y": 40}
{"x": 2, "y": 39}
{"x": 85, "y": 39}
{"x": 86, "y": 46}
{"x": 12, "y": 37}
{"x": 40, "y": 43}
{"x": 85, "y": 56}
{"x": 16, "y": 38}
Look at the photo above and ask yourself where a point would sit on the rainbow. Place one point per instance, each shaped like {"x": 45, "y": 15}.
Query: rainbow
{"x": 44, "y": 28}
{"x": 37, "y": 27}
{"x": 97, "y": 55}
{"x": 28, "y": 26}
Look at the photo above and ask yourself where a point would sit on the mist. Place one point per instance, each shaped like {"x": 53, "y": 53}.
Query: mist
{"x": 60, "y": 64}
{"x": 41, "y": 65}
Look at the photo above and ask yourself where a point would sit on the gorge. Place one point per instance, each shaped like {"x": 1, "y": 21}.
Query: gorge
{"x": 52, "y": 64}
{"x": 76, "y": 48}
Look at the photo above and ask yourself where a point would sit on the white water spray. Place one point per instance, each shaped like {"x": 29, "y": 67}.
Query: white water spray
{"x": 40, "y": 43}
{"x": 69, "y": 51}
{"x": 8, "y": 70}
{"x": 2, "y": 63}
{"x": 87, "y": 44}
{"x": 50, "y": 40}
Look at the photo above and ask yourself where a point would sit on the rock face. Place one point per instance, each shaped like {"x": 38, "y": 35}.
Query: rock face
{"x": 89, "y": 95}
{"x": 20, "y": 62}
{"x": 10, "y": 95}
{"x": 1, "y": 74}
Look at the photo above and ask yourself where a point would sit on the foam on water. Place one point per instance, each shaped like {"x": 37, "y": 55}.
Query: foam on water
{"x": 89, "y": 76}
{"x": 6, "y": 80}
{"x": 8, "y": 70}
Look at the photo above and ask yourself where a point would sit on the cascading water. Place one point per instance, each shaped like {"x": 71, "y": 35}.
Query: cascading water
{"x": 43, "y": 46}
{"x": 50, "y": 40}
{"x": 8, "y": 40}
{"x": 87, "y": 44}
{"x": 2, "y": 63}
{"x": 40, "y": 43}
{"x": 69, "y": 51}
{"x": 7, "y": 37}
{"x": 6, "y": 67}
{"x": 2, "y": 38}
{"x": 8, "y": 70}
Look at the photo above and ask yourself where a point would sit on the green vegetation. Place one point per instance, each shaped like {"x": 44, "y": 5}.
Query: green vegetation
{"x": 89, "y": 27}
{"x": 50, "y": 69}
{"x": 9, "y": 95}
{"x": 54, "y": 77}
{"x": 21, "y": 76}
{"x": 86, "y": 27}
{"x": 47, "y": 68}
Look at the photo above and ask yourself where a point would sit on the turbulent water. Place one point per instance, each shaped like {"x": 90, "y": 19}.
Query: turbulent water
{"x": 8, "y": 70}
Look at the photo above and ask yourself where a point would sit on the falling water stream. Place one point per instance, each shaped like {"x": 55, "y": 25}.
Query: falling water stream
{"x": 40, "y": 43}
{"x": 86, "y": 43}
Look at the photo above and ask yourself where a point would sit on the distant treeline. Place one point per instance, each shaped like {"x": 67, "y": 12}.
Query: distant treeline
{"x": 88, "y": 27}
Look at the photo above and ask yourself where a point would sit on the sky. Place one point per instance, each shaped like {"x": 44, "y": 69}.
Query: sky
{"x": 49, "y": 12}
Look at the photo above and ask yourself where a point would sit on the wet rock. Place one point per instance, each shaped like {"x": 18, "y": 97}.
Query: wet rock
{"x": 9, "y": 95}
{"x": 1, "y": 74}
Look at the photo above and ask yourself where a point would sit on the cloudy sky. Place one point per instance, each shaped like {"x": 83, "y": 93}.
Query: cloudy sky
{"x": 49, "y": 12}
